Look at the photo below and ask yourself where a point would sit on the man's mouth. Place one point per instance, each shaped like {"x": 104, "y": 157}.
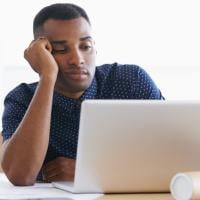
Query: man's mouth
{"x": 77, "y": 75}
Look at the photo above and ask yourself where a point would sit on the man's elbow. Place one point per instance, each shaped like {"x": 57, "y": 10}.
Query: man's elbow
{"x": 18, "y": 178}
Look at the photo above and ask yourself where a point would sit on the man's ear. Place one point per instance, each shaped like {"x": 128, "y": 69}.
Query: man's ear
{"x": 94, "y": 43}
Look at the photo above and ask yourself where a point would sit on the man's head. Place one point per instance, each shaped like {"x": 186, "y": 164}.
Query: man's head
{"x": 60, "y": 11}
{"x": 68, "y": 29}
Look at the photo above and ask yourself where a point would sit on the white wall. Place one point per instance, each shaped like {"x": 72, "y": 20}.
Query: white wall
{"x": 162, "y": 36}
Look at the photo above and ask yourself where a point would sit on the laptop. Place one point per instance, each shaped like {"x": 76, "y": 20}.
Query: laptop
{"x": 133, "y": 146}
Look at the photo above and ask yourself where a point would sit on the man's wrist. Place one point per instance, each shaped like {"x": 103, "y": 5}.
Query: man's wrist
{"x": 48, "y": 78}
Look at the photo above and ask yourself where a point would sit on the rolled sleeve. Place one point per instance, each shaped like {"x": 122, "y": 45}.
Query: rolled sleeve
{"x": 15, "y": 106}
{"x": 145, "y": 87}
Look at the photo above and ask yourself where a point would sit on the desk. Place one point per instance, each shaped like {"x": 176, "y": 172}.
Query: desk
{"x": 136, "y": 197}
{"x": 6, "y": 187}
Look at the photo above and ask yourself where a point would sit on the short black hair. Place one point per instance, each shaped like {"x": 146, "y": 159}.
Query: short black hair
{"x": 65, "y": 11}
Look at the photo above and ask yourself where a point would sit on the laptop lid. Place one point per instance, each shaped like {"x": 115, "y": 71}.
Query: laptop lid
{"x": 136, "y": 146}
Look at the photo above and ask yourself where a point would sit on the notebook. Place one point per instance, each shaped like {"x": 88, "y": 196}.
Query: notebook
{"x": 128, "y": 146}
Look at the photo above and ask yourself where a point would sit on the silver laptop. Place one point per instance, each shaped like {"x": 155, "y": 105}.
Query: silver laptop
{"x": 135, "y": 146}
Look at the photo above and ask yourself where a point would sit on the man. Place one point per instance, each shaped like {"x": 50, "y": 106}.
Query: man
{"x": 41, "y": 120}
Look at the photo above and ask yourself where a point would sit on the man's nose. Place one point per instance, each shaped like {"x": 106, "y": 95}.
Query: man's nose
{"x": 76, "y": 58}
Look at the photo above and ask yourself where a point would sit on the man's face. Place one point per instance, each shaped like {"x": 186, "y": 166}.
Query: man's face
{"x": 74, "y": 52}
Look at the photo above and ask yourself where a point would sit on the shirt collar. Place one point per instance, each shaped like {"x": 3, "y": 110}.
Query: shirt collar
{"x": 68, "y": 104}
{"x": 91, "y": 92}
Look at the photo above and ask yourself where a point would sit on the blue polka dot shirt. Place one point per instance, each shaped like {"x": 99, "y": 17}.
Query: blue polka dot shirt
{"x": 111, "y": 81}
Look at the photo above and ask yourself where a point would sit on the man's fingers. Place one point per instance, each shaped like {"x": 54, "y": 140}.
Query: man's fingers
{"x": 48, "y": 176}
{"x": 41, "y": 40}
{"x": 60, "y": 161}
{"x": 58, "y": 176}
{"x": 60, "y": 169}
{"x": 49, "y": 172}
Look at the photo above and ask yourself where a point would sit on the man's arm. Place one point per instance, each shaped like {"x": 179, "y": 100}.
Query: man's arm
{"x": 24, "y": 153}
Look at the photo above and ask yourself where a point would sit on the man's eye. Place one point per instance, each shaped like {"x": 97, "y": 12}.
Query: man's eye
{"x": 86, "y": 47}
{"x": 59, "y": 51}
{"x": 59, "y": 48}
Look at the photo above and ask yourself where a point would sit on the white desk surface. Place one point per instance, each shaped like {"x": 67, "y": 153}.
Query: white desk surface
{"x": 48, "y": 192}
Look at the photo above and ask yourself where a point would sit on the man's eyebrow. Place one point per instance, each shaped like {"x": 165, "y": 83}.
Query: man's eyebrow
{"x": 65, "y": 41}
{"x": 86, "y": 38}
{"x": 58, "y": 42}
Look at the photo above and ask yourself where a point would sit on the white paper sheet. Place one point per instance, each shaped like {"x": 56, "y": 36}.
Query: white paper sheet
{"x": 43, "y": 191}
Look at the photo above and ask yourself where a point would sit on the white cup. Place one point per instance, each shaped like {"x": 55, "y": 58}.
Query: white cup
{"x": 185, "y": 186}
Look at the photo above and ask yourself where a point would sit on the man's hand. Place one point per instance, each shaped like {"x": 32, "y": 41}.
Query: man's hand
{"x": 39, "y": 56}
{"x": 60, "y": 169}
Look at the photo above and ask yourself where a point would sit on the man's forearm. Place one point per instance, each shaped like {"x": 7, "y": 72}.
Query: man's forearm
{"x": 24, "y": 153}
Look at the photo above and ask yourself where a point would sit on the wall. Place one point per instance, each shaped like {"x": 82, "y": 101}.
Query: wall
{"x": 161, "y": 36}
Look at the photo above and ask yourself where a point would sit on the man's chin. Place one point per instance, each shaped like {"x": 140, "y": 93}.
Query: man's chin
{"x": 79, "y": 84}
{"x": 79, "y": 87}
{"x": 74, "y": 84}
{"x": 72, "y": 87}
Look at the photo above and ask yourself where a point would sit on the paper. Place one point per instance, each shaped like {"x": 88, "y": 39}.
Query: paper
{"x": 43, "y": 191}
